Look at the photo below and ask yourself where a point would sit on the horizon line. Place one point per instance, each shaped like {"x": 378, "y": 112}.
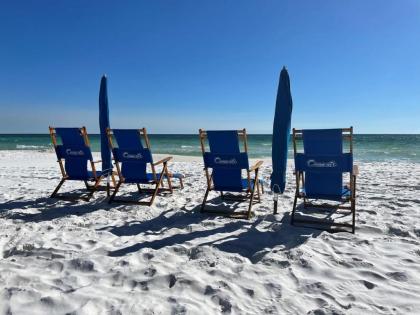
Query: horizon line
{"x": 189, "y": 134}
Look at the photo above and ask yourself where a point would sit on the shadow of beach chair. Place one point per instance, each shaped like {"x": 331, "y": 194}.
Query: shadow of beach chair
{"x": 319, "y": 173}
{"x": 132, "y": 160}
{"x": 73, "y": 152}
{"x": 223, "y": 166}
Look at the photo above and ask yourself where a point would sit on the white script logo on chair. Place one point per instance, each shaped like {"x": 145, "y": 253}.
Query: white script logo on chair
{"x": 74, "y": 153}
{"x": 218, "y": 160}
{"x": 137, "y": 156}
{"x": 313, "y": 163}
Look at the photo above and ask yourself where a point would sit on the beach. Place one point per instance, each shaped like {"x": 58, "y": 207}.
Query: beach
{"x": 78, "y": 257}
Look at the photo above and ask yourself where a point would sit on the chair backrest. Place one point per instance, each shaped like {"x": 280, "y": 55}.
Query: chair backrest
{"x": 74, "y": 150}
{"x": 130, "y": 152}
{"x": 225, "y": 158}
{"x": 323, "y": 161}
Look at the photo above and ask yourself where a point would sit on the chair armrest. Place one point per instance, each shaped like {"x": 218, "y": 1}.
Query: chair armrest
{"x": 98, "y": 161}
{"x": 163, "y": 160}
{"x": 256, "y": 166}
{"x": 355, "y": 170}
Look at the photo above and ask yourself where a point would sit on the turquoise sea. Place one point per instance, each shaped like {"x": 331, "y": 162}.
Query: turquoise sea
{"x": 369, "y": 147}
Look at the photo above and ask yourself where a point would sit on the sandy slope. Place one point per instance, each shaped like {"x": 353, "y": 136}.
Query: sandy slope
{"x": 60, "y": 257}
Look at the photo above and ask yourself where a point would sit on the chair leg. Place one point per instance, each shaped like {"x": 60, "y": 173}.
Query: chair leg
{"x": 168, "y": 179}
{"x": 205, "y": 199}
{"x": 221, "y": 195}
{"x": 258, "y": 190}
{"x": 251, "y": 199}
{"x": 158, "y": 184}
{"x": 94, "y": 188}
{"x": 58, "y": 188}
{"x": 113, "y": 180}
{"x": 155, "y": 192}
{"x": 294, "y": 209}
{"x": 139, "y": 188}
{"x": 115, "y": 192}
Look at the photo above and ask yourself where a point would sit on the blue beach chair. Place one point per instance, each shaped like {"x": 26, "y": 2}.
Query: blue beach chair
{"x": 223, "y": 166}
{"x": 132, "y": 160}
{"x": 74, "y": 157}
{"x": 319, "y": 172}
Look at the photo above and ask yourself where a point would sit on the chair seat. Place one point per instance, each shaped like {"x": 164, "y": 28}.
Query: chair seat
{"x": 89, "y": 176}
{"x": 244, "y": 186}
{"x": 345, "y": 194}
{"x": 149, "y": 179}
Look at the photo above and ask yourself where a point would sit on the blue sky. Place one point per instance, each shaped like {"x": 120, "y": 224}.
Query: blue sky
{"x": 176, "y": 66}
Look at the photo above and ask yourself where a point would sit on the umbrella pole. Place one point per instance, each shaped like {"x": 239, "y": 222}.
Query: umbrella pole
{"x": 108, "y": 186}
{"x": 275, "y": 198}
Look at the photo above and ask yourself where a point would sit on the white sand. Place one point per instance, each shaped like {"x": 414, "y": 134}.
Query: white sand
{"x": 60, "y": 257}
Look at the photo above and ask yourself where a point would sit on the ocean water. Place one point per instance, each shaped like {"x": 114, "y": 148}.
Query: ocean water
{"x": 381, "y": 147}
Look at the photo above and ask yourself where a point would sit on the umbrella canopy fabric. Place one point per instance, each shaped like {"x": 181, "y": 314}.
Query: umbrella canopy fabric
{"x": 104, "y": 124}
{"x": 281, "y": 133}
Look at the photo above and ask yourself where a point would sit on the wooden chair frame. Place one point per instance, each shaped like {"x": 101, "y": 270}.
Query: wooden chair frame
{"x": 158, "y": 182}
{"x": 250, "y": 193}
{"x": 300, "y": 182}
{"x": 97, "y": 179}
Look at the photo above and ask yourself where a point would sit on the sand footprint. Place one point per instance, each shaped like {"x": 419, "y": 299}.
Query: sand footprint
{"x": 356, "y": 286}
{"x": 396, "y": 231}
{"x": 398, "y": 276}
{"x": 81, "y": 265}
